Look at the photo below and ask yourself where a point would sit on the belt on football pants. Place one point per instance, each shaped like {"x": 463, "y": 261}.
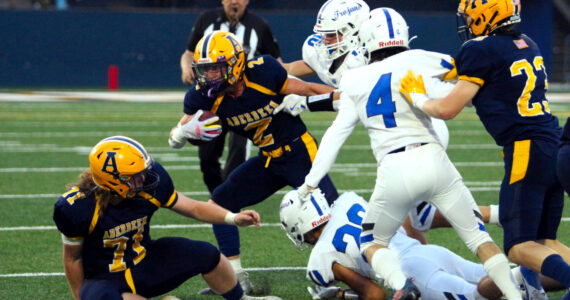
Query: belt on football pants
{"x": 408, "y": 147}
{"x": 278, "y": 152}
{"x": 275, "y": 153}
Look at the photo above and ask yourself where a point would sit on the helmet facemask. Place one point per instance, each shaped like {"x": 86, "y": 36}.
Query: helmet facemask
{"x": 346, "y": 40}
{"x": 219, "y": 62}
{"x": 300, "y": 219}
{"x": 214, "y": 78}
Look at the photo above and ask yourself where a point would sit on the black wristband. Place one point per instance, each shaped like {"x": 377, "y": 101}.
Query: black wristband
{"x": 323, "y": 102}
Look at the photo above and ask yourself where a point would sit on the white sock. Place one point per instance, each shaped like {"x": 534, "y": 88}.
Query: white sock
{"x": 386, "y": 263}
{"x": 236, "y": 264}
{"x": 494, "y": 215}
{"x": 498, "y": 269}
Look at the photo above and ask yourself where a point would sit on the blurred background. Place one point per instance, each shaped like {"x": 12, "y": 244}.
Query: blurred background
{"x": 72, "y": 43}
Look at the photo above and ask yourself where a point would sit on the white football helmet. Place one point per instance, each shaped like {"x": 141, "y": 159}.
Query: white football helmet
{"x": 298, "y": 218}
{"x": 341, "y": 18}
{"x": 385, "y": 28}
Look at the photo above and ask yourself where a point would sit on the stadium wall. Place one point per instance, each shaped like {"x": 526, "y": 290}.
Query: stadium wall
{"x": 74, "y": 49}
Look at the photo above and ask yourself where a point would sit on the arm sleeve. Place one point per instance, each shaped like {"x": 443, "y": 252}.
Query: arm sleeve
{"x": 71, "y": 220}
{"x": 334, "y": 138}
{"x": 473, "y": 62}
{"x": 196, "y": 33}
{"x": 165, "y": 192}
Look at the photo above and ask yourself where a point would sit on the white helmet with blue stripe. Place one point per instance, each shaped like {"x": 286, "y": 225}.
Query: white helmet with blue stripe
{"x": 341, "y": 18}
{"x": 298, "y": 217}
{"x": 385, "y": 28}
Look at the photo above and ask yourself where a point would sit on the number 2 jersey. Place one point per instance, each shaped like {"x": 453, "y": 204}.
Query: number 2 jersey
{"x": 117, "y": 237}
{"x": 511, "y": 102}
{"x": 340, "y": 242}
{"x": 251, "y": 114}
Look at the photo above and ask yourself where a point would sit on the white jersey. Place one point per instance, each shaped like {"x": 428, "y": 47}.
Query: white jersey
{"x": 354, "y": 59}
{"x": 339, "y": 242}
{"x": 375, "y": 100}
{"x": 438, "y": 273}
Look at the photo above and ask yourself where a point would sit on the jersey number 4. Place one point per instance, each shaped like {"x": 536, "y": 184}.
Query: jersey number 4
{"x": 380, "y": 101}
{"x": 536, "y": 108}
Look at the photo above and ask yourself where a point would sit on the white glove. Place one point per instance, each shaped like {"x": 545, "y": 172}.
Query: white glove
{"x": 293, "y": 105}
{"x": 304, "y": 192}
{"x": 321, "y": 292}
{"x": 201, "y": 130}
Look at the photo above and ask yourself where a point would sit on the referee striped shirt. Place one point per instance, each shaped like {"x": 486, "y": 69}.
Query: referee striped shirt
{"x": 252, "y": 31}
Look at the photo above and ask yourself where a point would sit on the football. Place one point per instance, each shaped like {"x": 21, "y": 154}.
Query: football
{"x": 205, "y": 116}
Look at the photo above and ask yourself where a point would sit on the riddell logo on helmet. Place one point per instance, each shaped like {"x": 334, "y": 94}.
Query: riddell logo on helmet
{"x": 320, "y": 221}
{"x": 391, "y": 43}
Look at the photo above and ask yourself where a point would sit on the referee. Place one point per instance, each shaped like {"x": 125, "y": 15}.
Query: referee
{"x": 257, "y": 39}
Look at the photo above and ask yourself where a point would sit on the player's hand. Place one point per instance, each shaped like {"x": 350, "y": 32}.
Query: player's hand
{"x": 413, "y": 89}
{"x": 304, "y": 192}
{"x": 293, "y": 105}
{"x": 205, "y": 130}
{"x": 320, "y": 292}
{"x": 247, "y": 218}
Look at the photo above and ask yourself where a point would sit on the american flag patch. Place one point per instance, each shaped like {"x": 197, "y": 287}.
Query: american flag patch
{"x": 521, "y": 44}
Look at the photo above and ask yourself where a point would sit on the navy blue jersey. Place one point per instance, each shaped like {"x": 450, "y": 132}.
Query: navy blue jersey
{"x": 566, "y": 132}
{"x": 251, "y": 115}
{"x": 117, "y": 237}
{"x": 511, "y": 102}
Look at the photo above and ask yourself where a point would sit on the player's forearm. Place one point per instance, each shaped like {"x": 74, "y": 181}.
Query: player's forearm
{"x": 74, "y": 274}
{"x": 207, "y": 212}
{"x": 186, "y": 60}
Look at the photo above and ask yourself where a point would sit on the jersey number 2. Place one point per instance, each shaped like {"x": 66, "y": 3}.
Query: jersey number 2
{"x": 380, "y": 101}
{"x": 354, "y": 231}
{"x": 522, "y": 104}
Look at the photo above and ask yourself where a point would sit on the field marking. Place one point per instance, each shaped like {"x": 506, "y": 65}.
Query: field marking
{"x": 206, "y": 193}
{"x": 42, "y": 274}
{"x": 335, "y": 168}
{"x": 17, "y": 147}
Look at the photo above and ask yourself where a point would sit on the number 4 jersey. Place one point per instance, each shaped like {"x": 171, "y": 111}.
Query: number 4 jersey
{"x": 371, "y": 94}
{"x": 511, "y": 102}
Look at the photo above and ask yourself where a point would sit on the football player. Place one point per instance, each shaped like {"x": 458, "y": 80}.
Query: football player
{"x": 105, "y": 219}
{"x": 334, "y": 232}
{"x": 412, "y": 164}
{"x": 244, "y": 94}
{"x": 502, "y": 73}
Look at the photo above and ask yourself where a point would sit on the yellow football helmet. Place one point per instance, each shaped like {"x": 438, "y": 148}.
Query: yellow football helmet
{"x": 481, "y": 17}
{"x": 219, "y": 62}
{"x": 122, "y": 165}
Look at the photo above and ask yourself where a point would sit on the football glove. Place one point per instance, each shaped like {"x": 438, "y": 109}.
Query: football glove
{"x": 304, "y": 192}
{"x": 205, "y": 130}
{"x": 413, "y": 89}
{"x": 321, "y": 292}
{"x": 293, "y": 105}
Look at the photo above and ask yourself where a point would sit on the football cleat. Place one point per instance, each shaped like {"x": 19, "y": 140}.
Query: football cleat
{"x": 243, "y": 279}
{"x": 528, "y": 291}
{"x": 409, "y": 292}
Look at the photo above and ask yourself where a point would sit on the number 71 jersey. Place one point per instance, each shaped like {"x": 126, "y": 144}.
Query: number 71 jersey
{"x": 371, "y": 94}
